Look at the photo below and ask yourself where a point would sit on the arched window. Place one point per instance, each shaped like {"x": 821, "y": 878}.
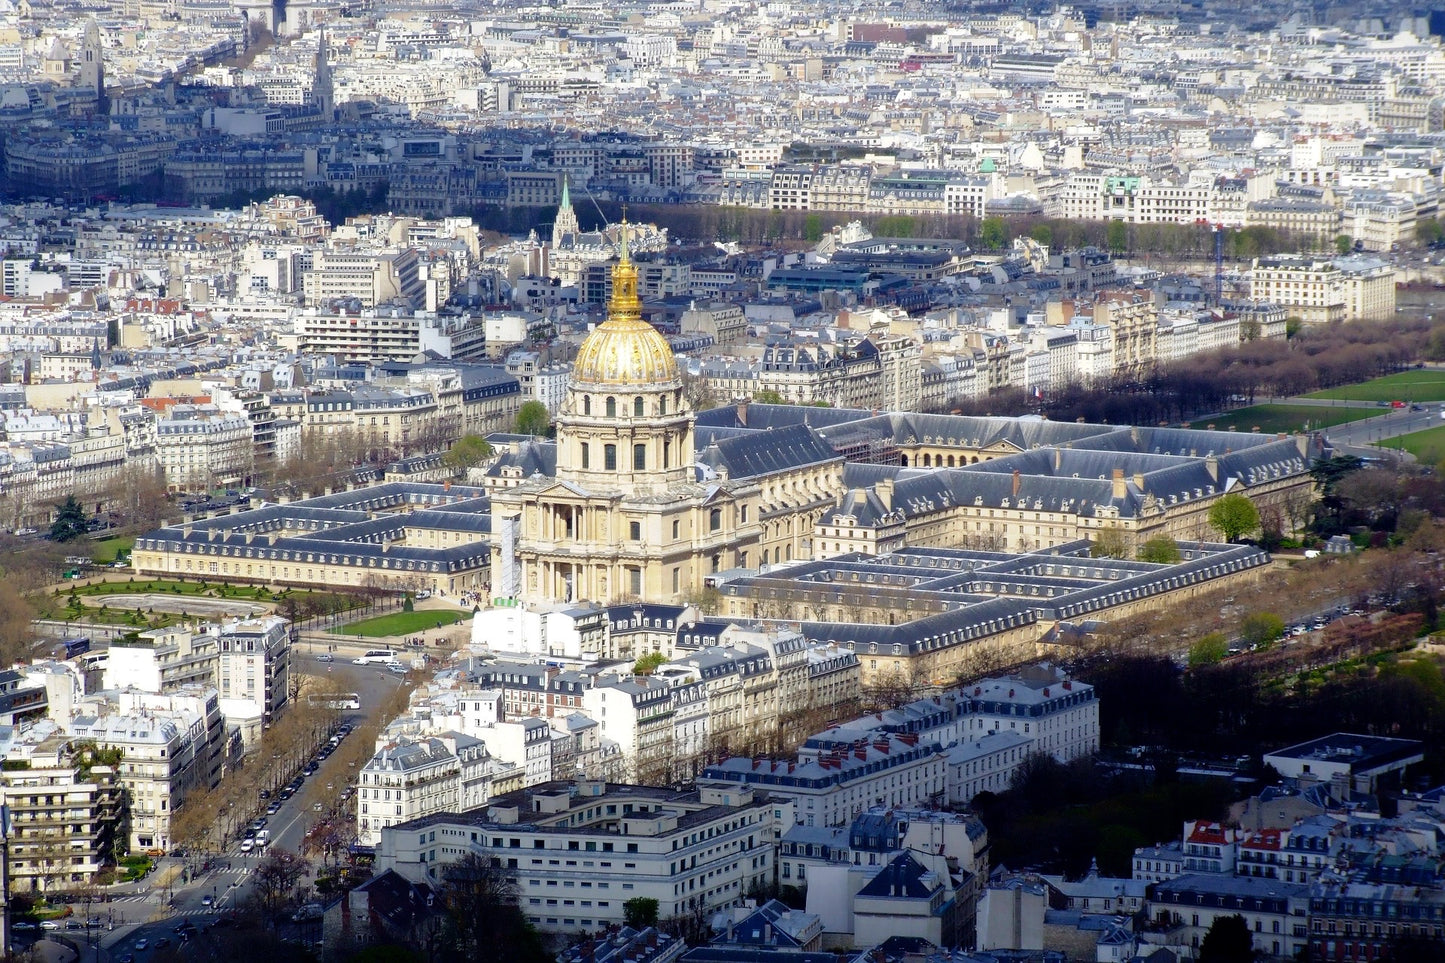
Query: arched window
{"x": 586, "y": 455}
{"x": 639, "y": 457}
{"x": 587, "y": 404}
{"x": 637, "y": 407}
{"x": 662, "y": 405}
{"x": 612, "y": 407}
{"x": 609, "y": 455}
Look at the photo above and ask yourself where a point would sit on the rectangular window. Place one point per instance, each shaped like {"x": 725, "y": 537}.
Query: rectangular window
{"x": 634, "y": 531}
{"x": 609, "y": 457}
{"x": 639, "y": 457}
{"x": 586, "y": 455}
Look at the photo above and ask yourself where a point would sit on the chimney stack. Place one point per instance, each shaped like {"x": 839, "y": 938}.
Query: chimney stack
{"x": 1119, "y": 487}
{"x": 1016, "y": 483}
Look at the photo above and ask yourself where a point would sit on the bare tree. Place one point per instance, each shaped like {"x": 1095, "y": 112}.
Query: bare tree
{"x": 275, "y": 877}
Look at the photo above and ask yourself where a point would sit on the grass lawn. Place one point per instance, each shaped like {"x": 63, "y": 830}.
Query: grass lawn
{"x": 1417, "y": 385}
{"x": 403, "y": 623}
{"x": 152, "y": 585}
{"x": 1428, "y": 445}
{"x": 106, "y": 550}
{"x": 1289, "y": 418}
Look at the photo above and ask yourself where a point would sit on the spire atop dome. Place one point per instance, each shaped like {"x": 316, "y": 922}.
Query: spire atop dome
{"x": 625, "y": 255}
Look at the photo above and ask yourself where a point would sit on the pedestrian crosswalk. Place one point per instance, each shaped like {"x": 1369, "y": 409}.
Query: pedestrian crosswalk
{"x": 237, "y": 868}
{"x": 135, "y": 898}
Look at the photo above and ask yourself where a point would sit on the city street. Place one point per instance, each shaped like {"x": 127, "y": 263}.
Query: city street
{"x": 152, "y": 914}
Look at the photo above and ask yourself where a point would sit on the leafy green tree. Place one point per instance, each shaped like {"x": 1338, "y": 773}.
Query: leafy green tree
{"x": 1260, "y": 629}
{"x": 1042, "y": 233}
{"x": 992, "y": 234}
{"x": 647, "y": 664}
{"x": 767, "y": 396}
{"x": 640, "y": 911}
{"x": 469, "y": 452}
{"x": 1228, "y": 941}
{"x": 532, "y": 419}
{"x": 812, "y": 229}
{"x": 69, "y": 521}
{"x": 1117, "y": 237}
{"x": 1110, "y": 542}
{"x": 1160, "y": 548}
{"x": 1233, "y": 516}
{"x": 1208, "y": 650}
{"x": 1343, "y": 244}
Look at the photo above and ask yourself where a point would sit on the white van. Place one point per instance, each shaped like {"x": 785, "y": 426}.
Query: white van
{"x": 375, "y": 656}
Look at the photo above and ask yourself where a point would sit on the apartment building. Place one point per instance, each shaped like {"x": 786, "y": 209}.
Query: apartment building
{"x": 64, "y": 813}
{"x": 200, "y": 447}
{"x": 162, "y": 659}
{"x": 1321, "y": 290}
{"x": 834, "y": 786}
{"x": 1043, "y": 702}
{"x": 407, "y": 779}
{"x": 580, "y": 851}
{"x": 366, "y": 277}
{"x": 171, "y": 744}
{"x": 1276, "y": 913}
{"x": 253, "y": 663}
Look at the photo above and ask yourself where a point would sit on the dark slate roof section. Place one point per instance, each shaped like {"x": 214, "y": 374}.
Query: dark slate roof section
{"x": 860, "y": 475}
{"x": 762, "y": 417}
{"x": 705, "y": 435}
{"x": 764, "y": 452}
{"x": 863, "y": 506}
{"x": 903, "y": 878}
{"x": 973, "y": 594}
{"x": 531, "y": 457}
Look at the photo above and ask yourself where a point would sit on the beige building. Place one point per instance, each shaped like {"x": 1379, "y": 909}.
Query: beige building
{"x": 62, "y": 819}
{"x": 367, "y": 277}
{"x": 201, "y": 447}
{"x": 1319, "y": 290}
{"x": 636, "y": 508}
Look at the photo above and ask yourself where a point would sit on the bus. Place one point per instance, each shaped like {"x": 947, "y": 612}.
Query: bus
{"x": 335, "y": 700}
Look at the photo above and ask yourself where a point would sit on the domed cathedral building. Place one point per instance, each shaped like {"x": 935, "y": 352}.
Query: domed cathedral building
{"x": 636, "y": 505}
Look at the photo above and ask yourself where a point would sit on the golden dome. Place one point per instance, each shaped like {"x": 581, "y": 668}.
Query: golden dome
{"x": 624, "y": 349}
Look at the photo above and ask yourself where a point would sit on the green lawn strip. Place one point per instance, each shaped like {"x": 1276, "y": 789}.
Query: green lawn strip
{"x": 107, "y": 550}
{"x": 1427, "y": 446}
{"x": 148, "y": 588}
{"x": 1417, "y": 385}
{"x": 1270, "y": 419}
{"x": 403, "y": 623}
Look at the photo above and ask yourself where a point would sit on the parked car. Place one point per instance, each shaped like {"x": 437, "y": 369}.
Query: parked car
{"x": 247, "y": 845}
{"x": 325, "y": 657}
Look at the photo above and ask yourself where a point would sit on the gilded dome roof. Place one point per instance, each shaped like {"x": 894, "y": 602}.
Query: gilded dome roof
{"x": 624, "y": 349}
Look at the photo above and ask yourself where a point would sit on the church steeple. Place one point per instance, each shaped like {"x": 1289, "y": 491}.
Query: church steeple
{"x": 323, "y": 94}
{"x": 565, "y": 223}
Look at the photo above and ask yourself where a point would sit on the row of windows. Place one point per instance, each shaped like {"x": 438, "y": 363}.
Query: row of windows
{"x": 637, "y": 406}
